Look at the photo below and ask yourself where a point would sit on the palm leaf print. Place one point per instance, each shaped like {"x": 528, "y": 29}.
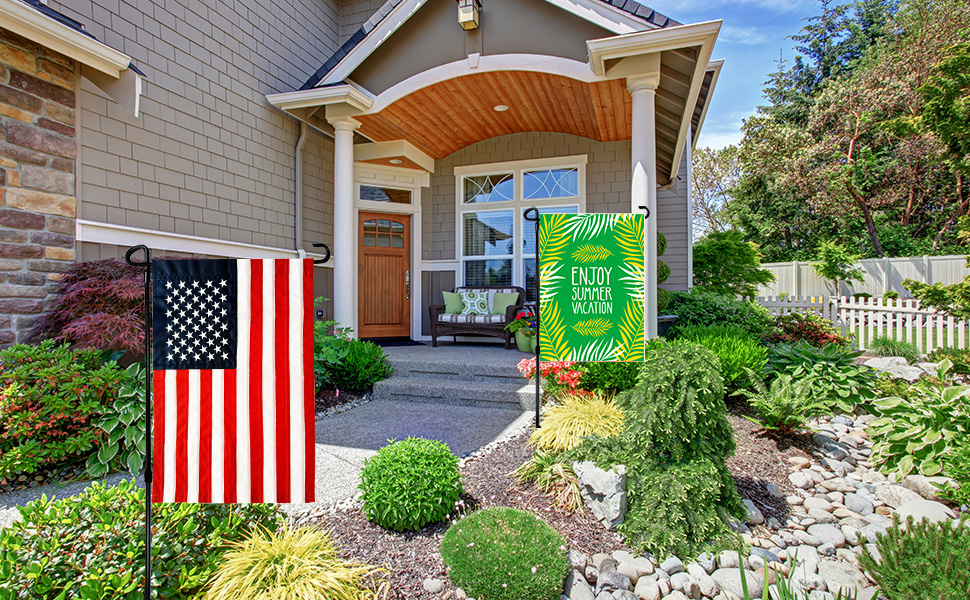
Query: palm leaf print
{"x": 588, "y": 253}
{"x": 592, "y": 327}
{"x": 549, "y": 280}
{"x": 590, "y": 225}
{"x": 552, "y": 332}
{"x": 552, "y": 238}
{"x": 632, "y": 279}
{"x": 631, "y": 333}
{"x": 629, "y": 237}
{"x": 601, "y": 350}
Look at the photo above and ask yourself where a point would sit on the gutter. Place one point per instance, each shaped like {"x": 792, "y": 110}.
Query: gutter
{"x": 298, "y": 190}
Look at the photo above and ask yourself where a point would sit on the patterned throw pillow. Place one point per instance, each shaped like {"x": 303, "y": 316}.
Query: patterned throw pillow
{"x": 474, "y": 303}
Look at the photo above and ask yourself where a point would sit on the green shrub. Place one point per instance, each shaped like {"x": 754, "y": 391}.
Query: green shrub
{"x": 293, "y": 564}
{"x": 410, "y": 483}
{"x": 610, "y": 377}
{"x": 699, "y": 307}
{"x": 363, "y": 365}
{"x": 123, "y": 424}
{"x": 726, "y": 264}
{"x": 840, "y": 383}
{"x": 923, "y": 561}
{"x": 920, "y": 433}
{"x": 884, "y": 346}
{"x": 505, "y": 554}
{"x": 957, "y": 466}
{"x": 91, "y": 546}
{"x": 674, "y": 443}
{"x": 959, "y": 358}
{"x": 892, "y": 294}
{"x": 738, "y": 352}
{"x": 808, "y": 327}
{"x": 50, "y": 397}
{"x": 785, "y": 403}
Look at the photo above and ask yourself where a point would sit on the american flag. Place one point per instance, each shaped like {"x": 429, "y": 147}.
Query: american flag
{"x": 233, "y": 381}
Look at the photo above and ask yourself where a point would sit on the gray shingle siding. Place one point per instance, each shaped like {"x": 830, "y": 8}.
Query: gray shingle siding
{"x": 208, "y": 156}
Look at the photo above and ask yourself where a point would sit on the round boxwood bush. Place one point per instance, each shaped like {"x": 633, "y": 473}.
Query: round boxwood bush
{"x": 409, "y": 484}
{"x": 505, "y": 554}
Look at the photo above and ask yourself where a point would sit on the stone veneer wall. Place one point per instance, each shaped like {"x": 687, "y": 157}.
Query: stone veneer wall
{"x": 37, "y": 200}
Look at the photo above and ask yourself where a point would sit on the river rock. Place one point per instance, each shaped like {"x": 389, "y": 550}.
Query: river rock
{"x": 432, "y": 586}
{"x": 817, "y": 502}
{"x": 821, "y": 516}
{"x": 709, "y": 587}
{"x": 858, "y": 504}
{"x": 578, "y": 560}
{"x": 829, "y": 534}
{"x": 607, "y": 565}
{"x": 801, "y": 480}
{"x": 841, "y": 578}
{"x": 629, "y": 570}
{"x": 604, "y": 492}
{"x": 644, "y": 565}
{"x": 727, "y": 559}
{"x": 925, "y": 509}
{"x": 647, "y": 589}
{"x": 895, "y": 495}
{"x": 707, "y": 562}
{"x": 672, "y": 565}
{"x": 577, "y": 588}
{"x": 926, "y": 486}
{"x": 753, "y": 515}
{"x": 729, "y": 580}
{"x": 610, "y": 582}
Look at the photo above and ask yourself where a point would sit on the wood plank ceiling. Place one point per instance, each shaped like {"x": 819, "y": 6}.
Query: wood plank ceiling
{"x": 450, "y": 115}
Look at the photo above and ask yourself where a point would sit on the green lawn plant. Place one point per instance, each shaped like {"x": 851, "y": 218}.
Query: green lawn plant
{"x": 738, "y": 352}
{"x": 884, "y": 346}
{"x": 921, "y": 561}
{"x": 574, "y": 417}
{"x": 293, "y": 564}
{"x": 123, "y": 424}
{"x": 410, "y": 483}
{"x": 921, "y": 433}
{"x": 505, "y": 554}
{"x": 50, "y": 397}
{"x": 783, "y": 405}
{"x": 363, "y": 365}
{"x": 91, "y": 546}
{"x": 674, "y": 443}
{"x": 839, "y": 381}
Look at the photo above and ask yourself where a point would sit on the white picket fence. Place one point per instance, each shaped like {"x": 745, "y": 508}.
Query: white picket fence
{"x": 868, "y": 318}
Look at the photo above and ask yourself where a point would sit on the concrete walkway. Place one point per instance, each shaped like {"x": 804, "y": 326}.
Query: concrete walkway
{"x": 344, "y": 440}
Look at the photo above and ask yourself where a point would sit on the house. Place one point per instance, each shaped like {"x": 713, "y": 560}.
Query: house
{"x": 408, "y": 135}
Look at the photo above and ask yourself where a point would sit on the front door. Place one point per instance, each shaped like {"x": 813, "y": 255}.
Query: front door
{"x": 384, "y": 292}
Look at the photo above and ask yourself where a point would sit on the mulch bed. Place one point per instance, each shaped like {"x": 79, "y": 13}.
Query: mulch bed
{"x": 413, "y": 556}
{"x": 44, "y": 476}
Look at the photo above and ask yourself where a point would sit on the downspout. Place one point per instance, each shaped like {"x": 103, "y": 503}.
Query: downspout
{"x": 298, "y": 191}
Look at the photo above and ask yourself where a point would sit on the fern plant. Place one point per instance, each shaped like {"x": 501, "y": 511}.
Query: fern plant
{"x": 782, "y": 406}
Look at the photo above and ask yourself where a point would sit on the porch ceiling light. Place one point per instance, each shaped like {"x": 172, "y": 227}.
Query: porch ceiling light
{"x": 500, "y": 108}
{"x": 468, "y": 12}
{"x": 395, "y": 161}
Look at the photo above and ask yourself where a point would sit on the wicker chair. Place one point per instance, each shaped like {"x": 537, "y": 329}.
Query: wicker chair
{"x": 491, "y": 325}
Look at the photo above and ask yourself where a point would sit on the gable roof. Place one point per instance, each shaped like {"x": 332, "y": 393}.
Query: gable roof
{"x": 632, "y": 7}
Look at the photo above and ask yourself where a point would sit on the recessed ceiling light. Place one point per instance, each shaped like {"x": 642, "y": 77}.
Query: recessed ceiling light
{"x": 500, "y": 108}
{"x": 395, "y": 161}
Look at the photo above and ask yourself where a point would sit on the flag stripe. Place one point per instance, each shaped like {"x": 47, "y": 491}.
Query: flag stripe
{"x": 181, "y": 435}
{"x": 255, "y": 376}
{"x": 205, "y": 436}
{"x": 309, "y": 385}
{"x": 159, "y": 439}
{"x": 231, "y": 439}
{"x": 244, "y": 481}
{"x": 295, "y": 436}
{"x": 268, "y": 381}
{"x": 194, "y": 402}
{"x": 171, "y": 434}
{"x": 281, "y": 361}
{"x": 217, "y": 456}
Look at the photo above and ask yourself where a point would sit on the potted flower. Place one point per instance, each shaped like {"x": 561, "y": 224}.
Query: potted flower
{"x": 524, "y": 328}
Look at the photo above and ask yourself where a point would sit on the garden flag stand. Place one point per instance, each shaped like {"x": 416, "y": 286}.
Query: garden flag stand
{"x": 228, "y": 382}
{"x": 532, "y": 214}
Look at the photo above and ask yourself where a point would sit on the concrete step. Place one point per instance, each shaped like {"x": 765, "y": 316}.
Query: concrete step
{"x": 457, "y": 371}
{"x": 509, "y": 396}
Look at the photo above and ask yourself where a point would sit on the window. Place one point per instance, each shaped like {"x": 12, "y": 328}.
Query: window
{"x": 383, "y": 233}
{"x": 497, "y": 246}
{"x": 374, "y": 193}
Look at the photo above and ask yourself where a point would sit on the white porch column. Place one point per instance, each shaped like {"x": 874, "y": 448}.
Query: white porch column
{"x": 643, "y": 190}
{"x": 344, "y": 228}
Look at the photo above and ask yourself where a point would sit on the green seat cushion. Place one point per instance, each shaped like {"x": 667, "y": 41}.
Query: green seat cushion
{"x": 502, "y": 301}
{"x": 452, "y": 303}
{"x": 474, "y": 303}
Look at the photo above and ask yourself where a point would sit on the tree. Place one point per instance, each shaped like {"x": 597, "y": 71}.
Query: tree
{"x": 726, "y": 264}
{"x": 714, "y": 173}
{"x": 837, "y": 264}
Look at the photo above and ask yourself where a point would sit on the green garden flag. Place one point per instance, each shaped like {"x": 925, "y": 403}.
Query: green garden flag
{"x": 591, "y": 287}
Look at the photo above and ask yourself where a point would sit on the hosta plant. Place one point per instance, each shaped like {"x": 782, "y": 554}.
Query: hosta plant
{"x": 783, "y": 405}
{"x": 410, "y": 483}
{"x": 123, "y": 424}
{"x": 554, "y": 475}
{"x": 840, "y": 383}
{"x": 920, "y": 433}
{"x": 292, "y": 564}
{"x": 574, "y": 417}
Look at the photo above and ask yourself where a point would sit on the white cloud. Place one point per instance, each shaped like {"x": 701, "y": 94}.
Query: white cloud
{"x": 741, "y": 35}
{"x": 719, "y": 138}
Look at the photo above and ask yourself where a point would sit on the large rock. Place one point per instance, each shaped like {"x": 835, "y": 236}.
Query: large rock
{"x": 884, "y": 363}
{"x": 604, "y": 492}
{"x": 727, "y": 559}
{"x": 611, "y": 582}
{"x": 895, "y": 495}
{"x": 925, "y": 509}
{"x": 926, "y": 486}
{"x": 672, "y": 565}
{"x": 729, "y": 580}
{"x": 647, "y": 589}
{"x": 707, "y": 562}
{"x": 829, "y": 534}
{"x": 753, "y": 514}
{"x": 577, "y": 588}
{"x": 841, "y": 578}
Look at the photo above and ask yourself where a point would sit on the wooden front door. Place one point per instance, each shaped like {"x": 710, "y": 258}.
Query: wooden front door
{"x": 384, "y": 269}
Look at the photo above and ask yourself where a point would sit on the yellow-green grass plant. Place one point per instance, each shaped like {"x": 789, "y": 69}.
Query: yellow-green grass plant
{"x": 575, "y": 417}
{"x": 554, "y": 476}
{"x": 293, "y": 564}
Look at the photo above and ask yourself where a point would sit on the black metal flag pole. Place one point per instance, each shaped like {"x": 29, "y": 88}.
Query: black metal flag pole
{"x": 147, "y": 265}
{"x": 532, "y": 214}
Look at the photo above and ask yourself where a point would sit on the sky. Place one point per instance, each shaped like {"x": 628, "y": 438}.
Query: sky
{"x": 752, "y": 35}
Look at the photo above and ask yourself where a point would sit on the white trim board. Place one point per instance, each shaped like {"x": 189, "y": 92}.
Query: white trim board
{"x": 94, "y": 232}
